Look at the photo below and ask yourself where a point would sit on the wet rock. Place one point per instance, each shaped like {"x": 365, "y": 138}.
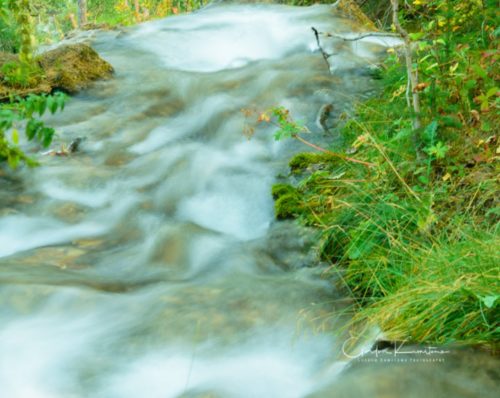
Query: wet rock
{"x": 89, "y": 243}
{"x": 69, "y": 212}
{"x": 55, "y": 256}
{"x": 118, "y": 158}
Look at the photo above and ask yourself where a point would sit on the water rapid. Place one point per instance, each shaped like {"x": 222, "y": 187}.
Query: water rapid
{"x": 149, "y": 263}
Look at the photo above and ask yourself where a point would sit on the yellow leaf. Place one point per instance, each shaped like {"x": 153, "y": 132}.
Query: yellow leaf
{"x": 446, "y": 177}
{"x": 362, "y": 139}
{"x": 264, "y": 117}
{"x": 398, "y": 92}
{"x": 15, "y": 136}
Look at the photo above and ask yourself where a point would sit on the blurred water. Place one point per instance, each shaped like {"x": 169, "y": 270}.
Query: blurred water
{"x": 149, "y": 264}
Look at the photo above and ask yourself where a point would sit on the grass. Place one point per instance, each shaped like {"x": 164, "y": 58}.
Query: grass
{"x": 445, "y": 293}
{"x": 415, "y": 238}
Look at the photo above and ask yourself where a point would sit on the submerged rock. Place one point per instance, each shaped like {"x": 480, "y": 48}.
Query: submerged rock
{"x": 69, "y": 68}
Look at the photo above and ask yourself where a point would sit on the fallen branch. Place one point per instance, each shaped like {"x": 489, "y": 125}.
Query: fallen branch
{"x": 345, "y": 38}
{"x": 362, "y": 36}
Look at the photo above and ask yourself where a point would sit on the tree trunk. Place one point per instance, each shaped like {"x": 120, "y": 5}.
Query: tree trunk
{"x": 82, "y": 12}
{"x": 137, "y": 10}
{"x": 21, "y": 10}
{"x": 412, "y": 73}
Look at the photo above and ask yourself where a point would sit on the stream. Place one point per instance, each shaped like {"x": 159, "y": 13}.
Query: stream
{"x": 149, "y": 264}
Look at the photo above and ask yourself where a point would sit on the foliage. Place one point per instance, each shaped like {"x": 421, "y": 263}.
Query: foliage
{"x": 9, "y": 40}
{"x": 414, "y": 223}
{"x": 26, "y": 111}
{"x": 55, "y": 18}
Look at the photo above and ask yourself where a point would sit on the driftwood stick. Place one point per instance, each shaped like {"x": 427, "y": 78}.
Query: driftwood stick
{"x": 323, "y": 53}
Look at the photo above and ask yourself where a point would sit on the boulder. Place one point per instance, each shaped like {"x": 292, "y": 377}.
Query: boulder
{"x": 68, "y": 68}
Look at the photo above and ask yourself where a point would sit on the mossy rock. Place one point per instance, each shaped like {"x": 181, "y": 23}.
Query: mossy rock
{"x": 287, "y": 201}
{"x": 68, "y": 68}
{"x": 71, "y": 68}
{"x": 351, "y": 10}
{"x": 307, "y": 161}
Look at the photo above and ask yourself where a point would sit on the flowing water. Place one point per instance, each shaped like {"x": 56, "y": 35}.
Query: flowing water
{"x": 149, "y": 263}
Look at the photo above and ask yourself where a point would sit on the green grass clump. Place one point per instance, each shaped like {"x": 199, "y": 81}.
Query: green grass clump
{"x": 414, "y": 229}
{"x": 449, "y": 293}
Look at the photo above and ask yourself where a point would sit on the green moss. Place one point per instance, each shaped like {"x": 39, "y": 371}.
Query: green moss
{"x": 279, "y": 190}
{"x": 303, "y": 161}
{"x": 287, "y": 206}
{"x": 287, "y": 201}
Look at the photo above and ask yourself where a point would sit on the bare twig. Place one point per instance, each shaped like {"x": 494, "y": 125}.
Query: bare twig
{"x": 323, "y": 53}
{"x": 362, "y": 36}
{"x": 346, "y": 38}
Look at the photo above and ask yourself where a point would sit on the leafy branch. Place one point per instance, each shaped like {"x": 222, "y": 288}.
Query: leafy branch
{"x": 27, "y": 110}
{"x": 289, "y": 128}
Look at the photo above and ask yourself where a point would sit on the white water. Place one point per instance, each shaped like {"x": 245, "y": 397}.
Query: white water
{"x": 150, "y": 265}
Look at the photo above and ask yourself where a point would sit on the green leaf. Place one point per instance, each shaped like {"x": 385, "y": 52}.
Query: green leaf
{"x": 423, "y": 179}
{"x": 492, "y": 91}
{"x": 52, "y": 104}
{"x": 48, "y": 134}
{"x": 429, "y": 133}
{"x": 31, "y": 129}
{"x": 469, "y": 84}
{"x": 423, "y": 45}
{"x": 61, "y": 100}
{"x": 13, "y": 160}
{"x": 416, "y": 36}
{"x": 489, "y": 301}
{"x": 479, "y": 71}
{"x": 486, "y": 126}
{"x": 42, "y": 106}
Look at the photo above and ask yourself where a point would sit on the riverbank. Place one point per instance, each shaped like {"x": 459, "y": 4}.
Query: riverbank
{"x": 415, "y": 236}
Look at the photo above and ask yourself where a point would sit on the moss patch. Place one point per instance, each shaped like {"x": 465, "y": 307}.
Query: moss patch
{"x": 287, "y": 201}
{"x": 308, "y": 161}
{"x": 72, "y": 68}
